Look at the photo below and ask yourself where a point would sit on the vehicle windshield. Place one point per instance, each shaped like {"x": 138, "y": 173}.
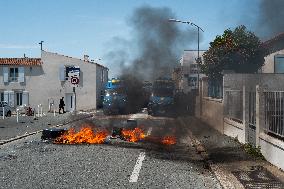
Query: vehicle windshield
{"x": 163, "y": 89}
{"x": 110, "y": 92}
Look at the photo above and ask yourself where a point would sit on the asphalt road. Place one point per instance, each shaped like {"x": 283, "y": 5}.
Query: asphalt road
{"x": 32, "y": 163}
{"x": 9, "y": 127}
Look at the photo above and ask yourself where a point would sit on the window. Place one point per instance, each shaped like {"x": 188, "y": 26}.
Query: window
{"x": 279, "y": 64}
{"x": 14, "y": 74}
{"x": 19, "y": 98}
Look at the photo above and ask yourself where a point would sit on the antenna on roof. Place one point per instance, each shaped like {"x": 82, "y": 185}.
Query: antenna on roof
{"x": 41, "y": 44}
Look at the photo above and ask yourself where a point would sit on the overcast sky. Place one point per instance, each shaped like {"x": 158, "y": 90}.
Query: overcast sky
{"x": 77, "y": 27}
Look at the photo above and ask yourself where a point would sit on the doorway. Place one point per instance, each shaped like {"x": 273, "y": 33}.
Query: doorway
{"x": 69, "y": 101}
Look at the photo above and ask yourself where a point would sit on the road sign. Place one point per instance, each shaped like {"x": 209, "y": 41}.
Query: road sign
{"x": 74, "y": 78}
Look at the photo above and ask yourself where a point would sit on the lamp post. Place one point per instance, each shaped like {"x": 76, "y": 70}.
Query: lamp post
{"x": 198, "y": 60}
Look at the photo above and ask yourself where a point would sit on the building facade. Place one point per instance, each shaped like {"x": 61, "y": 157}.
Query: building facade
{"x": 187, "y": 74}
{"x": 43, "y": 81}
{"x": 274, "y": 60}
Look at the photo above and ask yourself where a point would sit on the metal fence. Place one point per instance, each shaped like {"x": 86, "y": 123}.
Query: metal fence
{"x": 274, "y": 112}
{"x": 234, "y": 105}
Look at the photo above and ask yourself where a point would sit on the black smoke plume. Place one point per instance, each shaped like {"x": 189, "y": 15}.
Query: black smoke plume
{"x": 156, "y": 44}
{"x": 154, "y": 50}
{"x": 270, "y": 18}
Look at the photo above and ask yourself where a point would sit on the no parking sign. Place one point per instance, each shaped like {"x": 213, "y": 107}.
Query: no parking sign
{"x": 74, "y": 78}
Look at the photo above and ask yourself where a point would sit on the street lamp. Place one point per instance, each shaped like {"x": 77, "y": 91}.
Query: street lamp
{"x": 198, "y": 29}
{"x": 198, "y": 60}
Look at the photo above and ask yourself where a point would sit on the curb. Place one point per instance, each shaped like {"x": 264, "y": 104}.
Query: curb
{"x": 221, "y": 176}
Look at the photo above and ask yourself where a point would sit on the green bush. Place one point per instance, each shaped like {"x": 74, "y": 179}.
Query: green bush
{"x": 253, "y": 151}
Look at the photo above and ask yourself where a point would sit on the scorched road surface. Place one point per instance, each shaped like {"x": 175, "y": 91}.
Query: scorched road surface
{"x": 31, "y": 163}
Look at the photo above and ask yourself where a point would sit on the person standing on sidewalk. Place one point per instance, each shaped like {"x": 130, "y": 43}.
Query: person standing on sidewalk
{"x": 61, "y": 105}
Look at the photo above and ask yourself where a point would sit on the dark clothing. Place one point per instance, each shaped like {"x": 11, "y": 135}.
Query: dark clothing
{"x": 61, "y": 105}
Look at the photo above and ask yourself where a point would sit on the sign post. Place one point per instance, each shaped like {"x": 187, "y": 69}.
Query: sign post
{"x": 74, "y": 92}
{"x": 74, "y": 77}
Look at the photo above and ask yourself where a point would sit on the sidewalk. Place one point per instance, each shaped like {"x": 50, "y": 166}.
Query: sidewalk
{"x": 227, "y": 158}
{"x": 9, "y": 128}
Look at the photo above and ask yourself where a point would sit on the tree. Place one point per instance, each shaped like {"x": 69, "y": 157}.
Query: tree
{"x": 239, "y": 50}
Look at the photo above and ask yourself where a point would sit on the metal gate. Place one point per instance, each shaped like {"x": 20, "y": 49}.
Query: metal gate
{"x": 252, "y": 120}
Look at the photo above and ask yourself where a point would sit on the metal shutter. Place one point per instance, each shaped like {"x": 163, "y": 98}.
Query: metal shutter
{"x": 5, "y": 74}
{"x": 11, "y": 98}
{"x": 6, "y": 96}
{"x": 26, "y": 98}
{"x": 21, "y": 74}
{"x": 62, "y": 73}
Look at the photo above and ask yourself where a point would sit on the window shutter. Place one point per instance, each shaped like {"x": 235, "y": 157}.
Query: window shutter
{"x": 11, "y": 98}
{"x": 21, "y": 74}
{"x": 5, "y": 74}
{"x": 26, "y": 98}
{"x": 62, "y": 73}
{"x": 6, "y": 96}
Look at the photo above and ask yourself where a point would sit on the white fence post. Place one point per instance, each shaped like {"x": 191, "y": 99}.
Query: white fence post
{"x": 245, "y": 114}
{"x": 257, "y": 115}
{"x": 38, "y": 110}
{"x": 3, "y": 112}
{"x": 53, "y": 110}
{"x": 17, "y": 115}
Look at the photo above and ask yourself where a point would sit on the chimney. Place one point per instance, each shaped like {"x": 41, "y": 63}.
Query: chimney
{"x": 86, "y": 58}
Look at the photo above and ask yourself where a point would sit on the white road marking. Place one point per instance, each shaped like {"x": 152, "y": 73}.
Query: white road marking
{"x": 149, "y": 131}
{"x": 137, "y": 167}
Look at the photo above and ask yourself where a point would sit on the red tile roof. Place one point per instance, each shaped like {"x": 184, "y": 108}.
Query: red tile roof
{"x": 21, "y": 61}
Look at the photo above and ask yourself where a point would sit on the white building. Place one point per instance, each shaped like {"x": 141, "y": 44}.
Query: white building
{"x": 34, "y": 81}
{"x": 188, "y": 72}
{"x": 274, "y": 60}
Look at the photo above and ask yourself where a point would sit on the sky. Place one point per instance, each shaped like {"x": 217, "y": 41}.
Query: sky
{"x": 78, "y": 27}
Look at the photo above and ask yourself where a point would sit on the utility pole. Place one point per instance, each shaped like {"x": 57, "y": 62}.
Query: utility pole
{"x": 198, "y": 60}
{"x": 41, "y": 42}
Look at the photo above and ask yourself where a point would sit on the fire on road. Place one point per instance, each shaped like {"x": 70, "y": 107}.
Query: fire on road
{"x": 149, "y": 162}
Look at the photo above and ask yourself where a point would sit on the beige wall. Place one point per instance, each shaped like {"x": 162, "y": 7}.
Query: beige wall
{"x": 208, "y": 109}
{"x": 212, "y": 113}
{"x": 268, "y": 66}
{"x": 43, "y": 82}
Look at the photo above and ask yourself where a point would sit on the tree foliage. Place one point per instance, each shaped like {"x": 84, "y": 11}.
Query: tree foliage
{"x": 238, "y": 50}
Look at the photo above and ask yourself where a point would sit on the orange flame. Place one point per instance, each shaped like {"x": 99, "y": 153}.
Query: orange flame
{"x": 85, "y": 135}
{"x": 133, "y": 135}
{"x": 169, "y": 140}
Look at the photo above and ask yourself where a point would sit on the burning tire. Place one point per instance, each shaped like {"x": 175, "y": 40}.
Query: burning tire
{"x": 49, "y": 134}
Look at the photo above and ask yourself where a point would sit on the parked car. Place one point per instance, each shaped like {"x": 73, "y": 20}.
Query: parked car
{"x": 7, "y": 109}
{"x": 22, "y": 109}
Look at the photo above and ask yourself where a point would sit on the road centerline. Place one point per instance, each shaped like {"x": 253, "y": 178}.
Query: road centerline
{"x": 135, "y": 173}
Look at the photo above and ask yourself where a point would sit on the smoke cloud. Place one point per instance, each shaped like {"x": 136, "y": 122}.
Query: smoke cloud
{"x": 270, "y": 18}
{"x": 156, "y": 45}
